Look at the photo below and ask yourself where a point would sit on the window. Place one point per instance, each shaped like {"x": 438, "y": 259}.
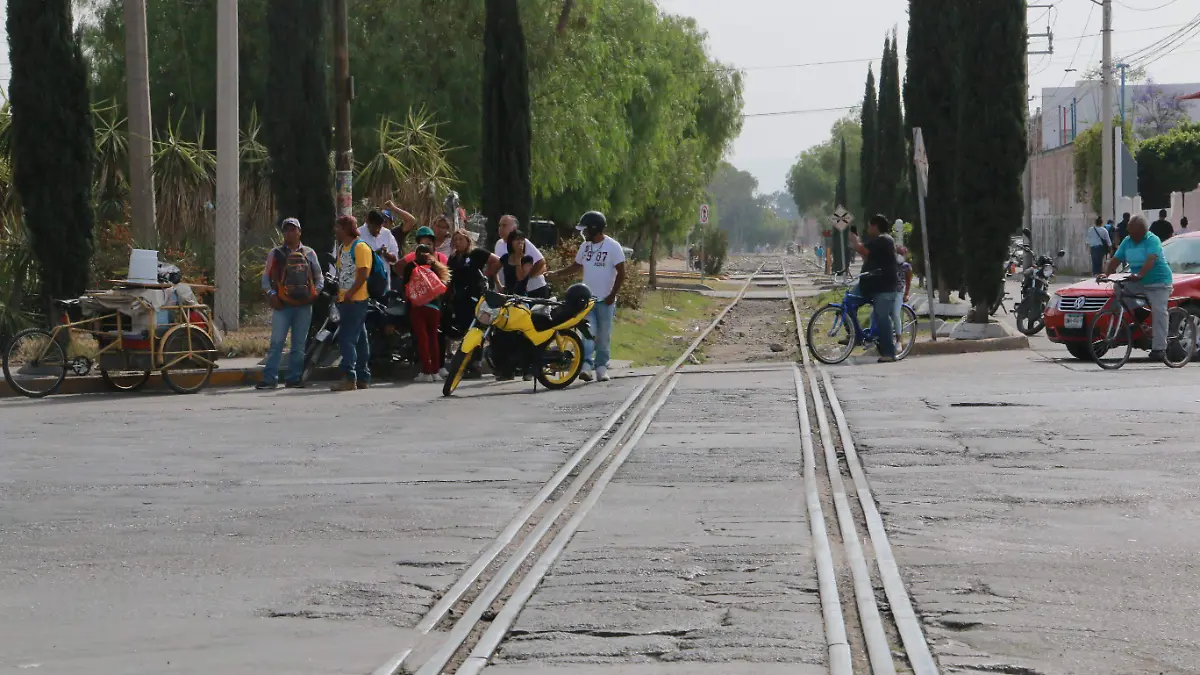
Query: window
{"x": 1183, "y": 255}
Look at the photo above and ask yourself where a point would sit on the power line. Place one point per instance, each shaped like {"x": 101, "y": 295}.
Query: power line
{"x": 1091, "y": 13}
{"x": 800, "y": 112}
{"x": 1146, "y": 9}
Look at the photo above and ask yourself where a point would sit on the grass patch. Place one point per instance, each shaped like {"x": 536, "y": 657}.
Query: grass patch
{"x": 657, "y": 333}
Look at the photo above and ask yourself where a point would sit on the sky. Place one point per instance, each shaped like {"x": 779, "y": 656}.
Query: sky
{"x": 768, "y": 38}
{"x": 760, "y": 36}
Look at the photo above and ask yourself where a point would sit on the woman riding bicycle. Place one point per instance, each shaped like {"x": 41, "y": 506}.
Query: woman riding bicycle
{"x": 1152, "y": 277}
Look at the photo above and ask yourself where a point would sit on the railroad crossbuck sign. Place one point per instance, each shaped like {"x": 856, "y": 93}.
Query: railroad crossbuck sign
{"x": 704, "y": 214}
{"x": 841, "y": 218}
{"x": 922, "y": 161}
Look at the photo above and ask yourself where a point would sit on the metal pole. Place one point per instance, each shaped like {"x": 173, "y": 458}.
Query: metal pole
{"x": 228, "y": 226}
{"x": 1124, "y": 68}
{"x": 141, "y": 145}
{"x": 918, "y": 141}
{"x": 344, "y": 93}
{"x": 1106, "y": 108}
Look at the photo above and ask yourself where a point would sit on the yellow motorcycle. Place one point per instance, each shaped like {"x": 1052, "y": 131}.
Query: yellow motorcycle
{"x": 548, "y": 336}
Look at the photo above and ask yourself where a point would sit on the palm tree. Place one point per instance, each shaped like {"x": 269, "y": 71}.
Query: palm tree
{"x": 412, "y": 167}
{"x": 184, "y": 177}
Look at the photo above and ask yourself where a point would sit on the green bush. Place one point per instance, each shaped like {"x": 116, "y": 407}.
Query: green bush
{"x": 716, "y": 248}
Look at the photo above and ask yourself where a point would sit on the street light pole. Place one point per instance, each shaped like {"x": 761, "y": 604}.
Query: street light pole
{"x": 343, "y": 86}
{"x": 141, "y": 146}
{"x": 1106, "y": 106}
{"x": 228, "y": 225}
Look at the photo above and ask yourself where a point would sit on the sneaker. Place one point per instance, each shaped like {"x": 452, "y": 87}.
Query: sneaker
{"x": 1157, "y": 356}
{"x": 887, "y": 359}
{"x": 602, "y": 374}
{"x": 266, "y": 386}
{"x": 344, "y": 385}
{"x": 473, "y": 374}
{"x": 527, "y": 377}
{"x": 443, "y": 373}
{"x": 505, "y": 377}
{"x": 363, "y": 384}
{"x": 586, "y": 375}
{"x": 295, "y": 385}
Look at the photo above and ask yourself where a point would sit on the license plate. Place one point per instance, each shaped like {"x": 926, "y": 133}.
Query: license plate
{"x": 1073, "y": 321}
{"x": 323, "y": 335}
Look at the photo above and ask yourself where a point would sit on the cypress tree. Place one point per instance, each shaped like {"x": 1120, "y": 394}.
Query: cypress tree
{"x": 993, "y": 148}
{"x": 869, "y": 157}
{"x": 507, "y": 127}
{"x": 297, "y": 125}
{"x": 890, "y": 182}
{"x": 841, "y": 240}
{"x": 932, "y": 102}
{"x": 53, "y": 148}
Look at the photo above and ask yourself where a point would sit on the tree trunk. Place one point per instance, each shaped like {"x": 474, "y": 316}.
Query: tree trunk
{"x": 564, "y": 18}
{"x": 943, "y": 289}
{"x": 654, "y": 252}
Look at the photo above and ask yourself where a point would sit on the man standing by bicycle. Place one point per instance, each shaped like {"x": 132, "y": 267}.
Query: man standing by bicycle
{"x": 879, "y": 280}
{"x": 1151, "y": 277}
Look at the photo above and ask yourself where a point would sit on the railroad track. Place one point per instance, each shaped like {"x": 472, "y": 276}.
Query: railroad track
{"x": 463, "y": 630}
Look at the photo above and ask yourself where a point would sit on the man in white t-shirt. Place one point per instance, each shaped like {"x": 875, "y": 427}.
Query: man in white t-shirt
{"x": 603, "y": 263}
{"x": 536, "y": 287}
{"x": 381, "y": 240}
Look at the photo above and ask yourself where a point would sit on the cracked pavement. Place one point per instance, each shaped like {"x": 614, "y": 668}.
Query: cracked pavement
{"x": 697, "y": 558}
{"x": 1043, "y": 512}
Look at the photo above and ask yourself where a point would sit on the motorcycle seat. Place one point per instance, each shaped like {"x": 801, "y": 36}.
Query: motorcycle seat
{"x": 544, "y": 322}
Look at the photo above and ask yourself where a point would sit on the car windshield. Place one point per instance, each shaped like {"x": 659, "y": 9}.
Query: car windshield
{"x": 1183, "y": 255}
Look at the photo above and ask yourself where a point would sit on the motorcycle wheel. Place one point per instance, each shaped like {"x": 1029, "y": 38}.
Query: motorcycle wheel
{"x": 1031, "y": 318}
{"x": 561, "y": 377}
{"x": 458, "y": 369}
{"x": 314, "y": 356}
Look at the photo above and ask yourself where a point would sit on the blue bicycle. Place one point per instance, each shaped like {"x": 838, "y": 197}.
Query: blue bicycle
{"x": 834, "y": 330}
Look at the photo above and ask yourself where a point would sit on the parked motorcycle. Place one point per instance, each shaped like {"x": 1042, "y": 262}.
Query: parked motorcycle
{"x": 1035, "y": 291}
{"x": 389, "y": 334}
{"x": 545, "y": 336}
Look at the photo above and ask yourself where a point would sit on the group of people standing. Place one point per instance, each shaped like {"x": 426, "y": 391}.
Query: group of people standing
{"x": 442, "y": 279}
{"x": 1103, "y": 239}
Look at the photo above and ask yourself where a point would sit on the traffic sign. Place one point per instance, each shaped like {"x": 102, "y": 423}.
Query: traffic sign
{"x": 922, "y": 161}
{"x": 704, "y": 214}
{"x": 841, "y": 218}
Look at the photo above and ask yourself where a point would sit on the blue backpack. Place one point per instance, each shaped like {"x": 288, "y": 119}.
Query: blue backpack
{"x": 377, "y": 279}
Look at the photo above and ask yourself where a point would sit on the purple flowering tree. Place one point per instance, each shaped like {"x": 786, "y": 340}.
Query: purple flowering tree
{"x": 1155, "y": 111}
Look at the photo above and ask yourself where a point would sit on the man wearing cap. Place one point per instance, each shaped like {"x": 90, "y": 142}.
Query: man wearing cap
{"x": 603, "y": 263}
{"x": 292, "y": 280}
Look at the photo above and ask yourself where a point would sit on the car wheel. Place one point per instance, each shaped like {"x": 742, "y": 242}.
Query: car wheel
{"x": 1080, "y": 350}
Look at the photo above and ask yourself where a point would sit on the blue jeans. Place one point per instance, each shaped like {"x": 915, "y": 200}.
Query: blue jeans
{"x": 882, "y": 306}
{"x": 1098, "y": 253}
{"x": 596, "y": 352}
{"x": 352, "y": 340}
{"x": 295, "y": 320}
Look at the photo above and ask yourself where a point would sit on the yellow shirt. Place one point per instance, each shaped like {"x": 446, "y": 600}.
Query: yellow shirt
{"x": 348, "y": 263}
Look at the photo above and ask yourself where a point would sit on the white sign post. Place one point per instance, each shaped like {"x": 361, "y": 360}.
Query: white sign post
{"x": 921, "y": 160}
{"x": 841, "y": 220}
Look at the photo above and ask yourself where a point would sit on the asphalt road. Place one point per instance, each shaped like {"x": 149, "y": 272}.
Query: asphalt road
{"x": 239, "y": 532}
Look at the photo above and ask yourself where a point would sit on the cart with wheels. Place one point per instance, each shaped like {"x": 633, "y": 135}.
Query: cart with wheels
{"x": 128, "y": 333}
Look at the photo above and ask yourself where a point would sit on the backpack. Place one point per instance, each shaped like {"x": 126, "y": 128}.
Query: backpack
{"x": 295, "y": 284}
{"x": 377, "y": 278}
{"x": 424, "y": 286}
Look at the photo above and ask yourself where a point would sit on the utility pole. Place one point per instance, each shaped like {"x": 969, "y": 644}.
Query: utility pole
{"x": 1034, "y": 144}
{"x": 1106, "y": 106}
{"x": 141, "y": 144}
{"x": 343, "y": 87}
{"x": 228, "y": 225}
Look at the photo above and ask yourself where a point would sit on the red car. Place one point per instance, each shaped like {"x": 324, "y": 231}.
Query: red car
{"x": 1069, "y": 313}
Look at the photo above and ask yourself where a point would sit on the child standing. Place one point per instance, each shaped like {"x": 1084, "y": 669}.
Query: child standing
{"x": 426, "y": 315}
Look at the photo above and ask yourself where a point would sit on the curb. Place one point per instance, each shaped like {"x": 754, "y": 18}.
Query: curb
{"x": 948, "y": 346}
{"x": 234, "y": 377}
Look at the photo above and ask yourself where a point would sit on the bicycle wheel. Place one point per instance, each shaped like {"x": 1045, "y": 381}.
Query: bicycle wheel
{"x": 830, "y": 335}
{"x": 34, "y": 363}
{"x": 1181, "y": 340}
{"x": 907, "y": 332}
{"x": 1110, "y": 339}
{"x": 124, "y": 380}
{"x": 187, "y": 358}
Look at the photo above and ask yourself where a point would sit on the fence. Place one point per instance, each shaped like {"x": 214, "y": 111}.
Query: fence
{"x": 1066, "y": 232}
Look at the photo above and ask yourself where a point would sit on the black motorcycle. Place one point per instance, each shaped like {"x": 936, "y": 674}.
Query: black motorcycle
{"x": 1035, "y": 292}
{"x": 389, "y": 334}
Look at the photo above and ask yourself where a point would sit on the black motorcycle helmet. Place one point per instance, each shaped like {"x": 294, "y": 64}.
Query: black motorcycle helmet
{"x": 577, "y": 296}
{"x": 592, "y": 223}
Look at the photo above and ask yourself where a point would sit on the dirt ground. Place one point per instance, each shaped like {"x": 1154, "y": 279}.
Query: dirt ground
{"x": 753, "y": 332}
